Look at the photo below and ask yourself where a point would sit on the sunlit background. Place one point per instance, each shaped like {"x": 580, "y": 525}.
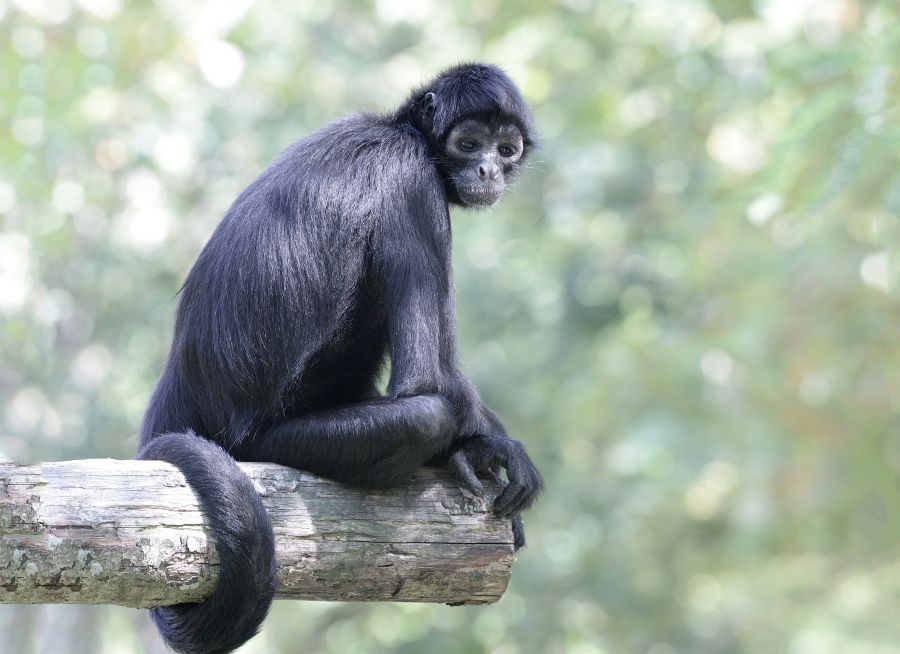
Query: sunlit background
{"x": 688, "y": 308}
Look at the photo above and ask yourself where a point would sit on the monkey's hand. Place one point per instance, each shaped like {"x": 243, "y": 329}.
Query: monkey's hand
{"x": 489, "y": 454}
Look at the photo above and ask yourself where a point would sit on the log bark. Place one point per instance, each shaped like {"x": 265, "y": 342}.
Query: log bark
{"x": 132, "y": 533}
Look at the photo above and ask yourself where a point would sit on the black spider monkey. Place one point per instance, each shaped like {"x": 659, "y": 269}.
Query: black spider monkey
{"x": 335, "y": 258}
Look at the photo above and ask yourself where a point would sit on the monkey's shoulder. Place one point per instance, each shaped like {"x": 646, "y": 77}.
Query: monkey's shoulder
{"x": 367, "y": 149}
{"x": 342, "y": 176}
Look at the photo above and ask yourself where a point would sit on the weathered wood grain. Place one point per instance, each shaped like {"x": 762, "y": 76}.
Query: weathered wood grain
{"x": 132, "y": 533}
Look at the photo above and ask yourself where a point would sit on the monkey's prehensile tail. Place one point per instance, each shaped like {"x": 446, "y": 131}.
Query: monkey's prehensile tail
{"x": 244, "y": 541}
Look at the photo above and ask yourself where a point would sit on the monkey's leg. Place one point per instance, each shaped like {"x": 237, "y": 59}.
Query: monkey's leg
{"x": 378, "y": 442}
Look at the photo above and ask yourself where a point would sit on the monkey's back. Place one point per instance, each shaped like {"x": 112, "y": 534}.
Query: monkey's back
{"x": 279, "y": 312}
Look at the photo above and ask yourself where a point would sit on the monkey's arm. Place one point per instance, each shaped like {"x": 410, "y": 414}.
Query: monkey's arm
{"x": 490, "y": 448}
{"x": 483, "y": 443}
{"x": 412, "y": 260}
{"x": 407, "y": 261}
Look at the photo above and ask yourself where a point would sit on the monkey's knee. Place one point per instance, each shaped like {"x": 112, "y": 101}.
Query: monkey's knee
{"x": 434, "y": 422}
{"x": 421, "y": 427}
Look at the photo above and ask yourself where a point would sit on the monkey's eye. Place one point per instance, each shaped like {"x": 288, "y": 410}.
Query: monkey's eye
{"x": 467, "y": 145}
{"x": 506, "y": 150}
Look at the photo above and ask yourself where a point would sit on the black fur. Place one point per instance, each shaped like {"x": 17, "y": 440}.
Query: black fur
{"x": 335, "y": 258}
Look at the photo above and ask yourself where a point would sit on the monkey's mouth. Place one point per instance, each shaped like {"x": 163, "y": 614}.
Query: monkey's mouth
{"x": 474, "y": 195}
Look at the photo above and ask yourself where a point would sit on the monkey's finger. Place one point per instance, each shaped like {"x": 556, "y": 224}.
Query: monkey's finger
{"x": 518, "y": 530}
{"x": 516, "y": 495}
{"x": 534, "y": 489}
{"x": 506, "y": 498}
{"x": 531, "y": 486}
{"x": 519, "y": 503}
{"x": 465, "y": 474}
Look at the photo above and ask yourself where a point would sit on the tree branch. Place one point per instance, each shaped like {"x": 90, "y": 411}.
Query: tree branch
{"x": 132, "y": 533}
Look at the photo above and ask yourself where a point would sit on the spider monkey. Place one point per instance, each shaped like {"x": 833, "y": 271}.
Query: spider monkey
{"x": 334, "y": 260}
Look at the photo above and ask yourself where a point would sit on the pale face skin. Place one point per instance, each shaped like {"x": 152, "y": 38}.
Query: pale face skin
{"x": 483, "y": 156}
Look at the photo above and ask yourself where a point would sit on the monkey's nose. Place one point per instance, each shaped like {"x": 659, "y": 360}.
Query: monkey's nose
{"x": 488, "y": 172}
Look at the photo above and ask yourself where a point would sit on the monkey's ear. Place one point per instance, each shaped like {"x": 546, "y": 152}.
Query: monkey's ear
{"x": 428, "y": 103}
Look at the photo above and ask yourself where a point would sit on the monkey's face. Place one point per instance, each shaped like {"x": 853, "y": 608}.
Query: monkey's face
{"x": 480, "y": 158}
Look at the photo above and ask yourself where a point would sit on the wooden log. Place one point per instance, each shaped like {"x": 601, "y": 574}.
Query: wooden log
{"x": 132, "y": 533}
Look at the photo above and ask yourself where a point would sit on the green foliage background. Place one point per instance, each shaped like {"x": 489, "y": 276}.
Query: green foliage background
{"x": 688, "y": 308}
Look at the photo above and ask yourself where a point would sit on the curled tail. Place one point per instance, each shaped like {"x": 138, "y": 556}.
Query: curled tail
{"x": 244, "y": 540}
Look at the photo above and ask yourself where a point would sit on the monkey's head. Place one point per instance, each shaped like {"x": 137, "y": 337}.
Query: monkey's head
{"x": 479, "y": 157}
{"x": 479, "y": 129}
